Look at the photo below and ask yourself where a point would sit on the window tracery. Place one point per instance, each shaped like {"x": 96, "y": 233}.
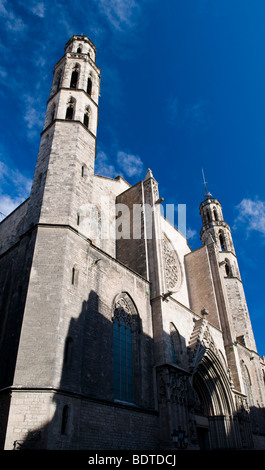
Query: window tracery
{"x": 172, "y": 267}
{"x": 125, "y": 320}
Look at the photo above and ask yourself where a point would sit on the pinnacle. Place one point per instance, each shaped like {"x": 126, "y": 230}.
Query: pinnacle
{"x": 149, "y": 174}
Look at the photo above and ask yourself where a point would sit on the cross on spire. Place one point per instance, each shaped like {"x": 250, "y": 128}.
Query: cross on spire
{"x": 207, "y": 193}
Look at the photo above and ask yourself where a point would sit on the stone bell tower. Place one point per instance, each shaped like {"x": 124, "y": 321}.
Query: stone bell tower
{"x": 215, "y": 230}
{"x": 232, "y": 307}
{"x": 65, "y": 166}
{"x": 62, "y": 184}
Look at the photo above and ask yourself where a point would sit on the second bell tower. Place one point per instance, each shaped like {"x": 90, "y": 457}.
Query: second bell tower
{"x": 230, "y": 297}
{"x": 65, "y": 166}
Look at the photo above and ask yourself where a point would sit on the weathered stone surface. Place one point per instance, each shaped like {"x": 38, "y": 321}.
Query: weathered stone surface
{"x": 87, "y": 291}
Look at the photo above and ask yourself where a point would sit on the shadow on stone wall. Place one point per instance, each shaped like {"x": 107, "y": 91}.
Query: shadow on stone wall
{"x": 87, "y": 417}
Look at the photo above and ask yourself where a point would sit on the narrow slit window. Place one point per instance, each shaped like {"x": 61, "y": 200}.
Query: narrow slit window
{"x": 73, "y": 276}
{"x": 84, "y": 171}
{"x": 65, "y": 415}
{"x": 228, "y": 269}
{"x": 68, "y": 350}
{"x": 53, "y": 113}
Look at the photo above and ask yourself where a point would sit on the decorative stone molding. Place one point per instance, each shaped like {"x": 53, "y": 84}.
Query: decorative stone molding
{"x": 242, "y": 406}
{"x": 200, "y": 341}
{"x": 172, "y": 385}
{"x": 151, "y": 186}
{"x": 178, "y": 388}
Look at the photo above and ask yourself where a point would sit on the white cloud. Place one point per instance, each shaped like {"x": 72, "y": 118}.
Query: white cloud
{"x": 38, "y": 9}
{"x": 191, "y": 234}
{"x": 12, "y": 22}
{"x": 8, "y": 204}
{"x": 195, "y": 113}
{"x": 251, "y": 216}
{"x": 132, "y": 165}
{"x": 34, "y": 115}
{"x": 187, "y": 116}
{"x": 15, "y": 188}
{"x": 125, "y": 164}
{"x": 103, "y": 167}
{"x": 3, "y": 10}
{"x": 120, "y": 13}
{"x": 3, "y": 72}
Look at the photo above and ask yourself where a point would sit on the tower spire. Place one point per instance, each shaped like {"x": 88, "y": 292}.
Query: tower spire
{"x": 207, "y": 193}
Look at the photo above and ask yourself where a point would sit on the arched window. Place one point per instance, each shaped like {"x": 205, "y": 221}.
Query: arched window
{"x": 52, "y": 113}
{"x": 125, "y": 321}
{"x": 64, "y": 423}
{"x": 79, "y": 49}
{"x": 74, "y": 77}
{"x": 57, "y": 80}
{"x": 222, "y": 241}
{"x": 69, "y": 113}
{"x": 70, "y": 109}
{"x": 215, "y": 213}
{"x": 86, "y": 117}
{"x": 208, "y": 215}
{"x": 122, "y": 361}
{"x": 89, "y": 86}
{"x": 176, "y": 349}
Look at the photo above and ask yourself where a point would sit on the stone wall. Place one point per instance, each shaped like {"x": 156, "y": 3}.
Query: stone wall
{"x": 12, "y": 227}
{"x": 240, "y": 320}
{"x": 36, "y": 422}
{"x": 59, "y": 307}
{"x": 131, "y": 243}
{"x": 200, "y": 284}
{"x": 15, "y": 266}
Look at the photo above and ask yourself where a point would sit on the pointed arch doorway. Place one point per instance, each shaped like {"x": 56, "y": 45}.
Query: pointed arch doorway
{"x": 214, "y": 406}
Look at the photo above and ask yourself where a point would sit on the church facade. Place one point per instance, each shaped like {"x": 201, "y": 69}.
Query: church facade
{"x": 114, "y": 334}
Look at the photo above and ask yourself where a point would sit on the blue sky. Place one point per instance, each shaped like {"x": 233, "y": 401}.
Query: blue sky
{"x": 183, "y": 88}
